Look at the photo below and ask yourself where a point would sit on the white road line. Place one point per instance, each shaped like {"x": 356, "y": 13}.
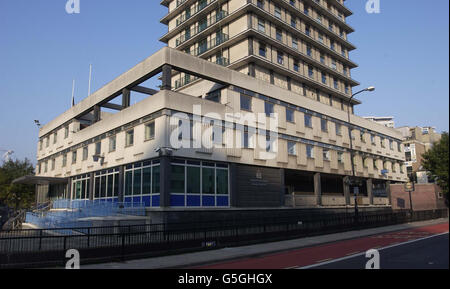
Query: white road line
{"x": 363, "y": 253}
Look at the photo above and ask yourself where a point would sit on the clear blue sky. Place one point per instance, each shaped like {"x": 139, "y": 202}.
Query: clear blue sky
{"x": 403, "y": 51}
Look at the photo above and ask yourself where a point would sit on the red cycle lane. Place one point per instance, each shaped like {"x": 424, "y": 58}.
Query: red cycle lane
{"x": 321, "y": 253}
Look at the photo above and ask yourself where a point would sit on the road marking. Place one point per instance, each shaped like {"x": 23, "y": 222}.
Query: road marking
{"x": 353, "y": 253}
{"x": 363, "y": 253}
{"x": 324, "y": 260}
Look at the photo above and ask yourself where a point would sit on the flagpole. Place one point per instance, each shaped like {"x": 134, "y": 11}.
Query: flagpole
{"x": 73, "y": 93}
{"x": 90, "y": 77}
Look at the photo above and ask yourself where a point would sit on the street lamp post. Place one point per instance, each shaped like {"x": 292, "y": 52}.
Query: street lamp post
{"x": 352, "y": 180}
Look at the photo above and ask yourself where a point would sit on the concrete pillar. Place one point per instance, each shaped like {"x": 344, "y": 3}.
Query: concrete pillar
{"x": 251, "y": 69}
{"x": 91, "y": 186}
{"x": 370, "y": 191}
{"x": 346, "y": 190}
{"x": 318, "y": 189}
{"x": 233, "y": 188}
{"x": 97, "y": 111}
{"x": 125, "y": 98}
{"x": 121, "y": 182}
{"x": 166, "y": 77}
{"x": 164, "y": 181}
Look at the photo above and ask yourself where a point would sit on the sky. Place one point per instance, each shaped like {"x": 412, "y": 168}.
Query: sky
{"x": 403, "y": 51}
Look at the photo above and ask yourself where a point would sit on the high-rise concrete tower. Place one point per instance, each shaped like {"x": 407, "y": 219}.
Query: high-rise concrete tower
{"x": 300, "y": 45}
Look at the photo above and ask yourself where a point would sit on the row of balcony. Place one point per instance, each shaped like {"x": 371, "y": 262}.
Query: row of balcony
{"x": 199, "y": 6}
{"x": 202, "y": 25}
{"x": 205, "y": 45}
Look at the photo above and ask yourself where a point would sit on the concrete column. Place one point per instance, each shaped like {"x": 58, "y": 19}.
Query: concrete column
{"x": 251, "y": 69}
{"x": 318, "y": 189}
{"x": 121, "y": 182}
{"x": 125, "y": 98}
{"x": 346, "y": 190}
{"x": 370, "y": 191}
{"x": 166, "y": 77}
{"x": 91, "y": 186}
{"x": 164, "y": 181}
{"x": 96, "y": 113}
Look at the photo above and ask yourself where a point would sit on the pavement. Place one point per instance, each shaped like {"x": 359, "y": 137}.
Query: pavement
{"x": 277, "y": 255}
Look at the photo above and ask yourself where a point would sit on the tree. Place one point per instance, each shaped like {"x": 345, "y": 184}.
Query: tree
{"x": 435, "y": 161}
{"x": 16, "y": 196}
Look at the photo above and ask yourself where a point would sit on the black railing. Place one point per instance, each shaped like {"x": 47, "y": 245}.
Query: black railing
{"x": 36, "y": 248}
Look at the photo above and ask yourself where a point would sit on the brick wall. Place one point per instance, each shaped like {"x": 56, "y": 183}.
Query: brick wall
{"x": 425, "y": 197}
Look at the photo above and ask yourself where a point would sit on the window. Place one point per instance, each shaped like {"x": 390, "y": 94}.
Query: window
{"x": 308, "y": 120}
{"x": 292, "y": 150}
{"x": 269, "y": 143}
{"x": 260, "y": 4}
{"x": 321, "y": 38}
{"x": 361, "y": 136}
{"x": 262, "y": 49}
{"x": 279, "y": 35}
{"x": 322, "y": 58}
{"x": 112, "y": 143}
{"x": 324, "y": 125}
{"x": 98, "y": 148}
{"x": 335, "y": 83}
{"x": 290, "y": 115}
{"x": 391, "y": 144}
{"x": 310, "y": 71}
{"x": 293, "y": 22}
{"x": 338, "y": 129}
{"x": 347, "y": 89}
{"x": 332, "y": 46}
{"x": 261, "y": 26}
{"x": 278, "y": 12}
{"x": 292, "y": 2}
{"x": 326, "y": 155}
{"x": 319, "y": 18}
{"x": 372, "y": 139}
{"x": 324, "y": 78}
{"x": 344, "y": 53}
{"x": 333, "y": 64}
{"x": 129, "y": 138}
{"x": 268, "y": 108}
{"x": 306, "y": 10}
{"x": 55, "y": 137}
{"x": 246, "y": 138}
{"x": 310, "y": 151}
{"x": 340, "y": 157}
{"x": 296, "y": 68}
{"x": 66, "y": 132}
{"x": 40, "y": 144}
{"x": 53, "y": 164}
{"x": 64, "y": 161}
{"x": 294, "y": 43}
{"x": 280, "y": 57}
{"x": 150, "y": 130}
{"x": 74, "y": 157}
{"x": 45, "y": 167}
{"x": 85, "y": 153}
{"x": 330, "y": 26}
{"x": 308, "y": 50}
{"x": 383, "y": 145}
{"x": 307, "y": 30}
{"x": 246, "y": 102}
{"x": 47, "y": 141}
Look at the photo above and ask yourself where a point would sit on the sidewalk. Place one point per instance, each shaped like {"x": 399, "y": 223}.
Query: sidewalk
{"x": 226, "y": 254}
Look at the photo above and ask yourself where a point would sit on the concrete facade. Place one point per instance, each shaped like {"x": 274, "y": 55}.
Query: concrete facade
{"x": 129, "y": 155}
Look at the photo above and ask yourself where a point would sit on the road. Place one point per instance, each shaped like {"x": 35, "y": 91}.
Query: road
{"x": 424, "y": 247}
